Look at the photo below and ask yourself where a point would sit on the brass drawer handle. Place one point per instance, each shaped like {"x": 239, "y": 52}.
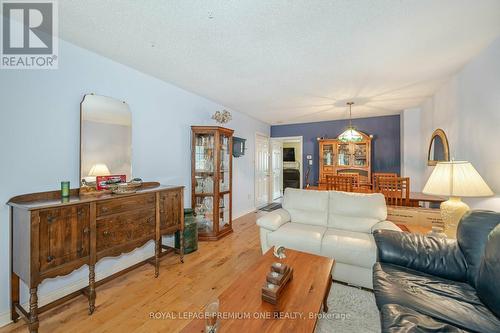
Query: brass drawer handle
{"x": 86, "y": 231}
{"x": 50, "y": 219}
{"x": 50, "y": 258}
{"x": 151, "y": 220}
{"x": 106, "y": 233}
{"x": 104, "y": 209}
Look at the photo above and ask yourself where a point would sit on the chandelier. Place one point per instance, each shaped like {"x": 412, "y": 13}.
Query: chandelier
{"x": 350, "y": 134}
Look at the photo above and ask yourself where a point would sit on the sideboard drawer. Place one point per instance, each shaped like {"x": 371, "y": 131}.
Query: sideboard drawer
{"x": 121, "y": 229}
{"x": 114, "y": 206}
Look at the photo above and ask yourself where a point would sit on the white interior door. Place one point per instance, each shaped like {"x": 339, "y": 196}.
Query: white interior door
{"x": 262, "y": 184}
{"x": 276, "y": 169}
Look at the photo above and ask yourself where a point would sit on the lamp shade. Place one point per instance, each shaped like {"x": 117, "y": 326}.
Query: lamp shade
{"x": 350, "y": 135}
{"x": 99, "y": 169}
{"x": 456, "y": 179}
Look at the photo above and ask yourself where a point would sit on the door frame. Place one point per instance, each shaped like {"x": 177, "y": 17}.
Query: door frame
{"x": 271, "y": 167}
{"x": 301, "y": 164}
{"x": 269, "y": 200}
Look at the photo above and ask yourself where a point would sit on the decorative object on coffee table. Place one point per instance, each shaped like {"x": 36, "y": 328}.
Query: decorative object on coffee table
{"x": 279, "y": 252}
{"x": 276, "y": 281}
{"x": 212, "y": 317}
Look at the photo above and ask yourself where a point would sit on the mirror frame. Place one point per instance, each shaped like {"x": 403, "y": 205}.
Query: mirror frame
{"x": 442, "y": 135}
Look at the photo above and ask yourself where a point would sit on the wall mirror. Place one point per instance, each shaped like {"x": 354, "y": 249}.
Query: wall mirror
{"x": 105, "y": 138}
{"x": 439, "y": 150}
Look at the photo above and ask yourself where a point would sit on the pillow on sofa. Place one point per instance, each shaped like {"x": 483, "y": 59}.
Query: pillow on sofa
{"x": 307, "y": 207}
{"x": 356, "y": 211}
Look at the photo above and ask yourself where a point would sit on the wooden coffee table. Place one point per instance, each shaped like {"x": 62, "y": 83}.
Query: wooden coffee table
{"x": 242, "y": 308}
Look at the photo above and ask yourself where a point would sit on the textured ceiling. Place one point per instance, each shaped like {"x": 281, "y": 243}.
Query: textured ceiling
{"x": 290, "y": 61}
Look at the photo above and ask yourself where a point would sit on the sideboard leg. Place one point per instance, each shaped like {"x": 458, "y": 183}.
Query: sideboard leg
{"x": 33, "y": 322}
{"x": 14, "y": 296}
{"x": 181, "y": 245}
{"x": 157, "y": 256}
{"x": 92, "y": 295}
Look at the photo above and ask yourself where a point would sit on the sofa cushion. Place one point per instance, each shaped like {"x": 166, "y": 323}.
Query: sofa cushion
{"x": 298, "y": 236}
{"x": 396, "y": 318}
{"x": 308, "y": 207}
{"x": 353, "y": 248}
{"x": 452, "y": 302}
{"x": 356, "y": 211}
{"x": 472, "y": 234}
{"x": 488, "y": 281}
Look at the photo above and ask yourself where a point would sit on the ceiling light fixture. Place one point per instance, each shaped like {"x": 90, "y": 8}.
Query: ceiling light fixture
{"x": 350, "y": 134}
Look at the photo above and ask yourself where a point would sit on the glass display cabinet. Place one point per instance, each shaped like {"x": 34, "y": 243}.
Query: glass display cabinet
{"x": 337, "y": 157}
{"x": 211, "y": 179}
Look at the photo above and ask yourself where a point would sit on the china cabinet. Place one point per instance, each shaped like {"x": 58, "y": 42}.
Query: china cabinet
{"x": 211, "y": 179}
{"x": 337, "y": 157}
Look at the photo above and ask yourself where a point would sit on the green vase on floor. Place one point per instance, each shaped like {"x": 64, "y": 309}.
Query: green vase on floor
{"x": 190, "y": 233}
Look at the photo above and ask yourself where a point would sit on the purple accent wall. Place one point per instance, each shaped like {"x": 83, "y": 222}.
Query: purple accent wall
{"x": 386, "y": 142}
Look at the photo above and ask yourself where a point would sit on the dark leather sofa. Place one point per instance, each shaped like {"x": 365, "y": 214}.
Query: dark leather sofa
{"x": 430, "y": 284}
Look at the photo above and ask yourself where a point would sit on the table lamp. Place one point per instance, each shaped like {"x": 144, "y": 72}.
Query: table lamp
{"x": 455, "y": 179}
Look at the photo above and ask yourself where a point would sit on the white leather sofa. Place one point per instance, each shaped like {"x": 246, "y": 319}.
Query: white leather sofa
{"x": 333, "y": 224}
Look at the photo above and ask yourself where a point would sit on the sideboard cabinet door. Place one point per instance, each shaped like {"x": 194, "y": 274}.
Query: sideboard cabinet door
{"x": 64, "y": 235}
{"x": 170, "y": 209}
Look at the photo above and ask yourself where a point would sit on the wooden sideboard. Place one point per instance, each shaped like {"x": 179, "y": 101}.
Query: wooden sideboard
{"x": 52, "y": 237}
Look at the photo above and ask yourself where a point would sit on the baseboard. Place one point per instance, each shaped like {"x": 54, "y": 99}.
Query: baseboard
{"x": 5, "y": 318}
{"x": 248, "y": 211}
{"x": 44, "y": 299}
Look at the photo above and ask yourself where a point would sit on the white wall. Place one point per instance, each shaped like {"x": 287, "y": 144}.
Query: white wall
{"x": 39, "y": 141}
{"x": 467, "y": 108}
{"x": 412, "y": 163}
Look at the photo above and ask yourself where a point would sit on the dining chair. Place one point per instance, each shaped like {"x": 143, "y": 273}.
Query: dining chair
{"x": 396, "y": 190}
{"x": 339, "y": 183}
{"x": 377, "y": 175}
{"x": 354, "y": 176}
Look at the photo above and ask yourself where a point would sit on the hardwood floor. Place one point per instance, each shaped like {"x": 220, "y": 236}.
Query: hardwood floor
{"x": 126, "y": 303}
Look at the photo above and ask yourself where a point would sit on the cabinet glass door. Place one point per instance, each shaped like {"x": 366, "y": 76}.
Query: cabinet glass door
{"x": 343, "y": 154}
{"x": 224, "y": 213}
{"x": 328, "y": 155}
{"x": 360, "y": 158}
{"x": 204, "y": 181}
{"x": 225, "y": 167}
{"x": 224, "y": 181}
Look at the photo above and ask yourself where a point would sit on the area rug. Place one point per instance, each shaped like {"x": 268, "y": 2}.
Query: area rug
{"x": 350, "y": 310}
{"x": 271, "y": 207}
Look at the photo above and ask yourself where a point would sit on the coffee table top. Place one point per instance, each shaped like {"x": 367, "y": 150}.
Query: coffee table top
{"x": 299, "y": 305}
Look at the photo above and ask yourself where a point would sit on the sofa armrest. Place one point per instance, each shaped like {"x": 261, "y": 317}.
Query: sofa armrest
{"x": 385, "y": 225}
{"x": 432, "y": 255}
{"x": 273, "y": 220}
